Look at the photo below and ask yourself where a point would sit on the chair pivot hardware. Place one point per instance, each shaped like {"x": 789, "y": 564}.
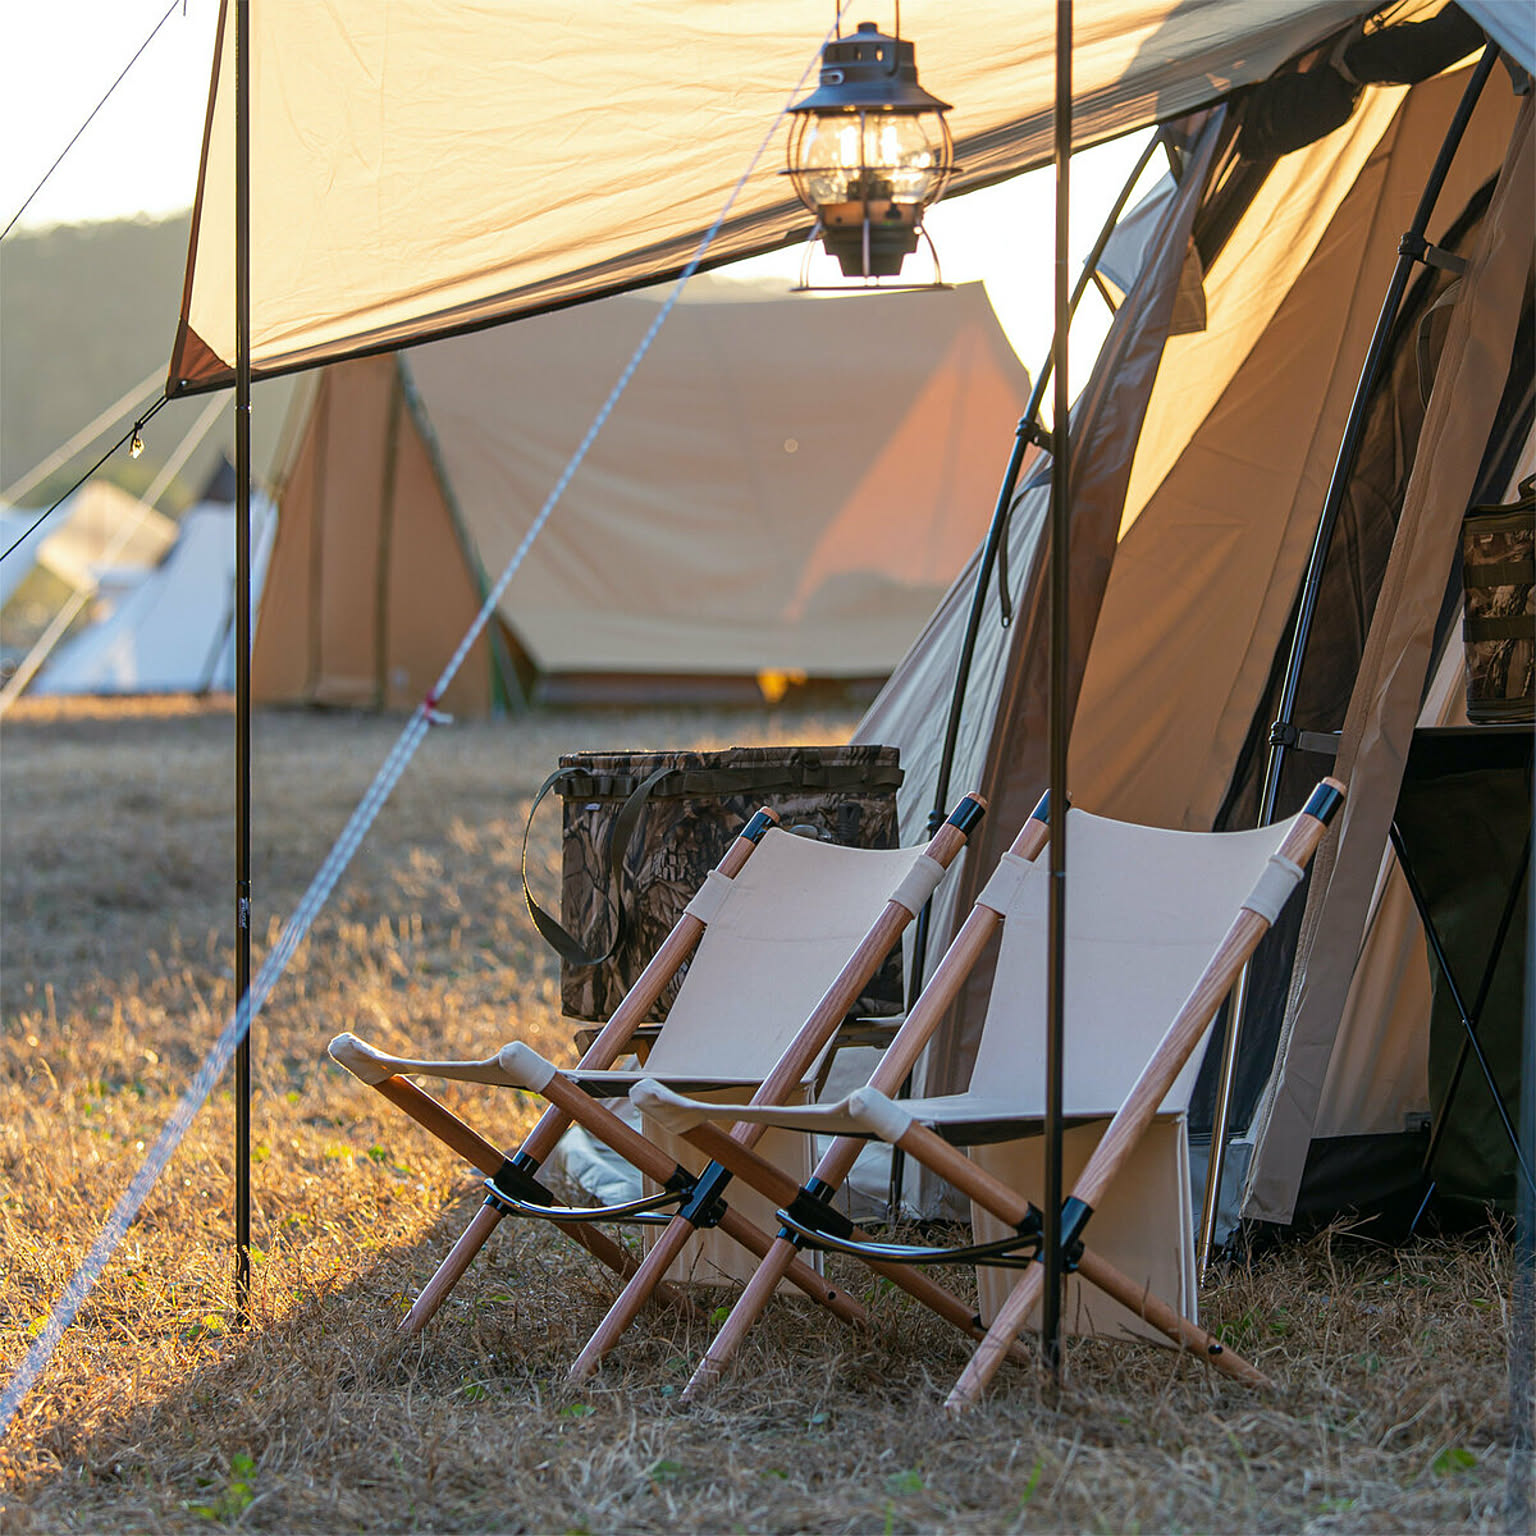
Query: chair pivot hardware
{"x": 514, "y": 1182}
{"x": 1074, "y": 1217}
{"x": 812, "y": 1209}
{"x": 706, "y": 1204}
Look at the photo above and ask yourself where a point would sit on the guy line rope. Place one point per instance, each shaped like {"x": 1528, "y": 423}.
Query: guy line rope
{"x": 422, "y": 719}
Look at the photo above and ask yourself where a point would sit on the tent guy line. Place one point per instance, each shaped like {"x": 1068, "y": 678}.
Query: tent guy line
{"x": 153, "y": 380}
{"x": 47, "y": 512}
{"x": 123, "y": 75}
{"x": 423, "y": 718}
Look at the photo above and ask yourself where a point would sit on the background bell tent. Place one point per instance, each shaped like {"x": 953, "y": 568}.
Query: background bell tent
{"x": 787, "y": 488}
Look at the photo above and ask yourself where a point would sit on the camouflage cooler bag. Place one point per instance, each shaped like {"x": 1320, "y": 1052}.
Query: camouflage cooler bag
{"x": 1498, "y": 568}
{"x": 643, "y": 829}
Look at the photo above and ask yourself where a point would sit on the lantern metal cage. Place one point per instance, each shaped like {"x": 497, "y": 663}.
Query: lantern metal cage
{"x": 869, "y": 151}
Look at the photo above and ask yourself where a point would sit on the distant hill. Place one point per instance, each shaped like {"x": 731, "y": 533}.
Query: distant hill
{"x": 86, "y": 311}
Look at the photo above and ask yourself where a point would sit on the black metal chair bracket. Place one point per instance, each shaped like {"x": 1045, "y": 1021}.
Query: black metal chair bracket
{"x": 635, "y": 1212}
{"x": 1005, "y": 1252}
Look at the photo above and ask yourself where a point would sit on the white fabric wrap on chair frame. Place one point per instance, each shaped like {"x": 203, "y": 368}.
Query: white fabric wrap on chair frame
{"x": 670, "y": 1110}
{"x": 1274, "y": 887}
{"x": 919, "y": 883}
{"x": 710, "y": 897}
{"x": 1002, "y": 887}
{"x": 525, "y": 1067}
{"x": 360, "y": 1059}
{"x": 878, "y": 1114}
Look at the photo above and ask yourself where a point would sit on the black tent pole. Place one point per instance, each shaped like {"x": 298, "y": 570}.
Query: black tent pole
{"x": 1061, "y": 459}
{"x": 1412, "y": 248}
{"x": 242, "y": 651}
{"x": 1518, "y": 1492}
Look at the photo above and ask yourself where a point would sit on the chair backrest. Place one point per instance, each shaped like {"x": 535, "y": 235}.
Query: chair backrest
{"x": 1146, "y": 910}
{"x": 791, "y": 920}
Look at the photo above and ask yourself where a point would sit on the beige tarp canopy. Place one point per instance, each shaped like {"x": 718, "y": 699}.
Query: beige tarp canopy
{"x": 452, "y": 165}
{"x": 788, "y": 486}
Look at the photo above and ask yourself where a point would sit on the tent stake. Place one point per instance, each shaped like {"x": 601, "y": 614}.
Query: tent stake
{"x": 243, "y": 653}
{"x": 1410, "y": 249}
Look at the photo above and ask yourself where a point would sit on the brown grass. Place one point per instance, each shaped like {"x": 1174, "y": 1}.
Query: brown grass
{"x": 157, "y": 1414}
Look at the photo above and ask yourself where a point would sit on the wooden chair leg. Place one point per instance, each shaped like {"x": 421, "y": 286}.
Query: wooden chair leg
{"x": 899, "y": 1058}
{"x": 474, "y": 1148}
{"x": 1136, "y": 1113}
{"x": 776, "y": 1185}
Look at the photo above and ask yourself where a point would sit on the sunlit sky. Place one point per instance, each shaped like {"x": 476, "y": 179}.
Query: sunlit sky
{"x": 139, "y": 156}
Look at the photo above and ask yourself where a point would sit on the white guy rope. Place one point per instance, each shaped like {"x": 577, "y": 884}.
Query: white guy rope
{"x": 16, "y": 684}
{"x": 313, "y": 901}
{"x": 87, "y": 434}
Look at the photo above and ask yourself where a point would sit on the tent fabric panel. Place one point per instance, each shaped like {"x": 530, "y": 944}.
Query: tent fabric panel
{"x": 1205, "y": 577}
{"x": 454, "y": 165}
{"x": 431, "y": 594}
{"x": 1143, "y": 1226}
{"x": 346, "y": 668}
{"x": 1377, "y": 1076}
{"x": 1382, "y": 714}
{"x": 1106, "y": 422}
{"x": 282, "y": 652}
{"x": 786, "y": 485}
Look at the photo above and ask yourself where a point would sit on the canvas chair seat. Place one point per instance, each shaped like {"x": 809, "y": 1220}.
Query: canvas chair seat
{"x": 1147, "y": 909}
{"x": 776, "y": 937}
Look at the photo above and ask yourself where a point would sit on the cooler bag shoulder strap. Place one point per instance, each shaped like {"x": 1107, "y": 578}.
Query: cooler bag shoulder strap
{"x": 561, "y": 940}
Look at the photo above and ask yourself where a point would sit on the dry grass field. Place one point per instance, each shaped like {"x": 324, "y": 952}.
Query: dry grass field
{"x": 158, "y": 1414}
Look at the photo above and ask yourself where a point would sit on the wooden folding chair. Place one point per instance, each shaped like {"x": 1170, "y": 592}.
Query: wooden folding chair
{"x": 1159, "y": 924}
{"x": 780, "y": 942}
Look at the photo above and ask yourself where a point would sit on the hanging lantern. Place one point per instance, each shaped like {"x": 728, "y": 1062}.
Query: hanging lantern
{"x": 869, "y": 151}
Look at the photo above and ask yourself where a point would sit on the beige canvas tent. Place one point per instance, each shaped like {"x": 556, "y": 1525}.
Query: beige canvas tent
{"x": 1188, "y": 553}
{"x": 1202, "y": 451}
{"x": 785, "y": 492}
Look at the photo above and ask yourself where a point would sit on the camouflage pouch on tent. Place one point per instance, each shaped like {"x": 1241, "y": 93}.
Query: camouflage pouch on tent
{"x": 643, "y": 829}
{"x": 1498, "y": 553}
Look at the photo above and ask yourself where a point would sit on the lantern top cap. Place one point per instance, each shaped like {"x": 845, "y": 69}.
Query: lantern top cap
{"x": 869, "y": 70}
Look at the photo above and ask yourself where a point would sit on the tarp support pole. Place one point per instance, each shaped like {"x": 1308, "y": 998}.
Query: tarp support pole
{"x": 1060, "y": 557}
{"x": 1522, "y": 1323}
{"x": 1333, "y": 502}
{"x": 243, "y": 652}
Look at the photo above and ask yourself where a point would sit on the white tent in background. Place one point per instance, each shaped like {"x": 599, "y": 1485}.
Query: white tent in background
{"x": 19, "y": 562}
{"x": 72, "y": 544}
{"x": 174, "y": 632}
